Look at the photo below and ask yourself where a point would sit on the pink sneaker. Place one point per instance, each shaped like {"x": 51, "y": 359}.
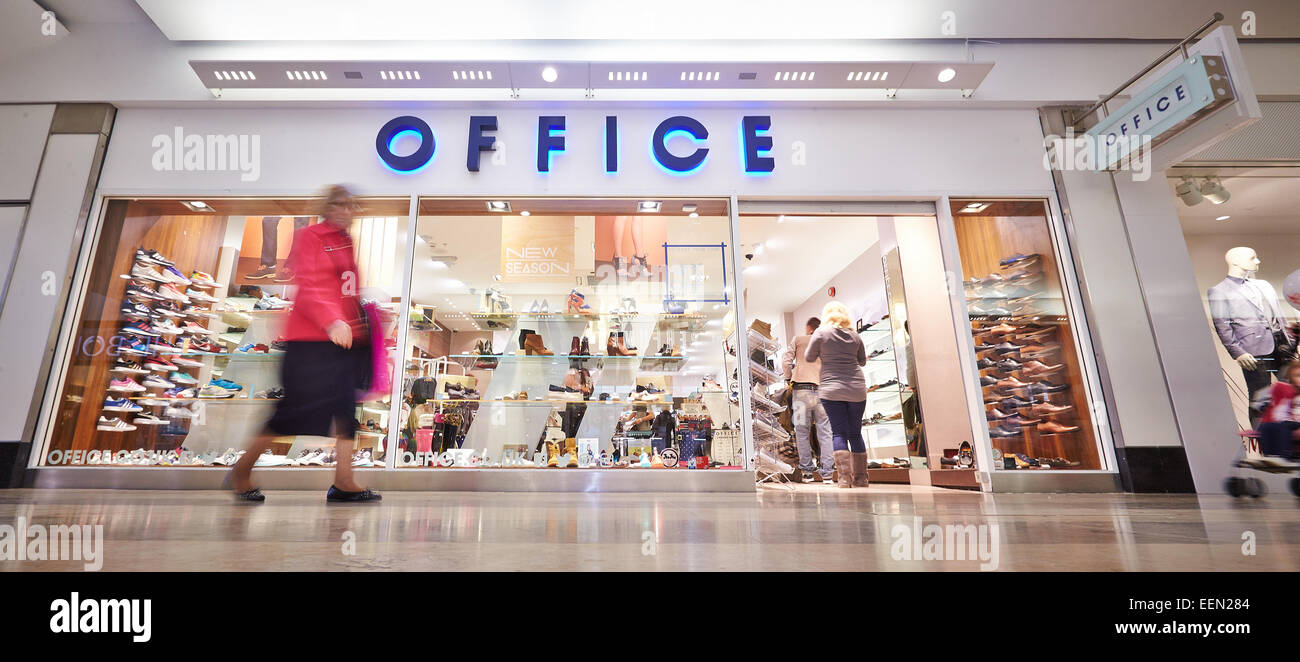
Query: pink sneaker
{"x": 125, "y": 385}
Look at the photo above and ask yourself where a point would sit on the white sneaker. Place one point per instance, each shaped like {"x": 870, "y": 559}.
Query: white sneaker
{"x": 154, "y": 381}
{"x": 113, "y": 425}
{"x": 149, "y": 419}
{"x": 1276, "y": 462}
{"x": 144, "y": 272}
{"x": 269, "y": 459}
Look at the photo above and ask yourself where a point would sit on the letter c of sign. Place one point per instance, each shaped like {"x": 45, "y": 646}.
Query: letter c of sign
{"x": 389, "y": 134}
{"x": 659, "y": 143}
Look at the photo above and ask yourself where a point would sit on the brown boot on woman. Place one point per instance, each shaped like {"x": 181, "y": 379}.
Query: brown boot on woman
{"x": 860, "y": 477}
{"x": 844, "y": 468}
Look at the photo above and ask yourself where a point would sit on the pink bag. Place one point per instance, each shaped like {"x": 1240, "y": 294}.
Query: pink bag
{"x": 423, "y": 440}
{"x": 381, "y": 376}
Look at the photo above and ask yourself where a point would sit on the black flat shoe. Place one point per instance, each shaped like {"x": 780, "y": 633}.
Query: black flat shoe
{"x": 254, "y": 494}
{"x": 335, "y": 494}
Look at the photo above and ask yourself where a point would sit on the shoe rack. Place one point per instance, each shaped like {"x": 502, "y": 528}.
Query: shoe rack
{"x": 883, "y": 427}
{"x": 1034, "y": 394}
{"x": 770, "y": 438}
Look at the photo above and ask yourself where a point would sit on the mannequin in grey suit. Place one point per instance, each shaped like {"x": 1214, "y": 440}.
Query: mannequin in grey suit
{"x": 1249, "y": 321}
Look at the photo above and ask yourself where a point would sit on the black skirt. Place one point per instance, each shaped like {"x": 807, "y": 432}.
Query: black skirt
{"x": 320, "y": 383}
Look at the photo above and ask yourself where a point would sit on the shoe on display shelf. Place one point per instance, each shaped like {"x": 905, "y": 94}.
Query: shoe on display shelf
{"x": 124, "y": 366}
{"x": 179, "y": 377}
{"x": 135, "y": 311}
{"x": 139, "y": 329}
{"x": 187, "y": 362}
{"x": 166, "y": 327}
{"x": 135, "y": 346}
{"x": 1003, "y": 431}
{"x": 144, "y": 293}
{"x": 125, "y": 385}
{"x": 166, "y": 309}
{"x": 172, "y": 275}
{"x": 162, "y": 346}
{"x": 271, "y": 302}
{"x": 144, "y": 273}
{"x": 1052, "y": 427}
{"x": 275, "y": 393}
{"x": 226, "y": 384}
{"x": 196, "y": 312}
{"x": 200, "y": 295}
{"x": 113, "y": 425}
{"x": 169, "y": 292}
{"x": 149, "y": 419}
{"x": 154, "y": 381}
{"x": 1019, "y": 260}
{"x": 150, "y": 256}
{"x": 262, "y": 272}
{"x": 203, "y": 279}
{"x": 194, "y": 329}
{"x": 211, "y": 391}
{"x": 269, "y": 459}
{"x": 160, "y": 364}
{"x": 229, "y": 458}
{"x": 121, "y": 404}
{"x": 174, "y": 411}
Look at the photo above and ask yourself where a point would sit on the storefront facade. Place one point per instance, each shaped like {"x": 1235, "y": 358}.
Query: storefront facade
{"x": 966, "y": 191}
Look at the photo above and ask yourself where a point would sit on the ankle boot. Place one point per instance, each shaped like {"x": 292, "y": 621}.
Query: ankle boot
{"x": 571, "y": 448}
{"x": 552, "y": 454}
{"x": 622, "y": 348}
{"x": 611, "y": 346}
{"x": 585, "y": 348}
{"x": 533, "y": 345}
{"x": 860, "y": 478}
{"x": 524, "y": 333}
{"x": 844, "y": 468}
{"x": 572, "y": 380}
{"x": 574, "y": 347}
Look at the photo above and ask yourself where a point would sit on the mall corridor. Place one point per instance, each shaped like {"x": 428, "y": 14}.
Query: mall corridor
{"x": 812, "y": 529}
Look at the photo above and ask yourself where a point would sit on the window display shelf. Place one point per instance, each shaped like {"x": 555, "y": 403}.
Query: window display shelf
{"x": 223, "y": 400}
{"x": 758, "y": 342}
{"x": 253, "y": 356}
{"x": 551, "y": 402}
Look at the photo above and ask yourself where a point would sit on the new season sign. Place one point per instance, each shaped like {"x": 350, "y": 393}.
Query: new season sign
{"x": 755, "y": 142}
{"x": 536, "y": 249}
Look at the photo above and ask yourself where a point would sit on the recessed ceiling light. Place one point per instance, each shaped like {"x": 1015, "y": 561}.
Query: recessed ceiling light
{"x": 525, "y": 213}
{"x": 973, "y": 207}
{"x": 498, "y": 205}
{"x": 689, "y": 208}
{"x": 197, "y": 205}
{"x": 1223, "y": 218}
{"x": 947, "y": 74}
{"x": 648, "y": 206}
{"x": 549, "y": 74}
{"x": 695, "y": 214}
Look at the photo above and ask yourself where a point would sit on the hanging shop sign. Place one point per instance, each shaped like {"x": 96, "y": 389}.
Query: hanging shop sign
{"x": 536, "y": 249}
{"x": 1190, "y": 91}
{"x": 755, "y": 143}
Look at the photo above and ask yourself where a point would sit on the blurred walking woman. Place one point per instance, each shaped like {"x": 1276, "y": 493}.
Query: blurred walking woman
{"x": 327, "y": 351}
{"x": 842, "y": 390}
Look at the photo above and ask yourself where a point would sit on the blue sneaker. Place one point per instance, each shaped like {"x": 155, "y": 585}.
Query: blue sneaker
{"x": 226, "y": 384}
{"x": 135, "y": 346}
{"x": 245, "y": 348}
{"x": 121, "y": 404}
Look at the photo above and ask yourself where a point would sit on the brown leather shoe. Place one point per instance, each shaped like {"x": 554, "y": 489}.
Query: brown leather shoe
{"x": 1036, "y": 368}
{"x": 1052, "y": 427}
{"x": 1046, "y": 408}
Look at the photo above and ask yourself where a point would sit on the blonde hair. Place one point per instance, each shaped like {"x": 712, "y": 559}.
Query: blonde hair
{"x": 836, "y": 314}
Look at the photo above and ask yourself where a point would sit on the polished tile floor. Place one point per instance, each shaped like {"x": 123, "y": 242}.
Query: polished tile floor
{"x": 812, "y": 528}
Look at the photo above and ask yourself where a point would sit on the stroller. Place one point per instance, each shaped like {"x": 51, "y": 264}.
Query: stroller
{"x": 1249, "y": 457}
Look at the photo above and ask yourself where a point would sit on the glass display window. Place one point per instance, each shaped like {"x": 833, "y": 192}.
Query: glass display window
{"x": 1030, "y": 364}
{"x": 178, "y": 335}
{"x": 549, "y": 333}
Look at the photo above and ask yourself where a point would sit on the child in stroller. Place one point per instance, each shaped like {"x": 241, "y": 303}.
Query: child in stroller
{"x": 1280, "y": 426}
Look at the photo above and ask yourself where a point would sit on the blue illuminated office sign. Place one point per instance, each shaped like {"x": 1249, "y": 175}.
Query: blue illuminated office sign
{"x": 755, "y": 143}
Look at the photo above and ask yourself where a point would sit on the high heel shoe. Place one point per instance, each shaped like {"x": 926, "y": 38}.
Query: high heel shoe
{"x": 643, "y": 265}
{"x": 577, "y": 303}
{"x": 620, "y": 266}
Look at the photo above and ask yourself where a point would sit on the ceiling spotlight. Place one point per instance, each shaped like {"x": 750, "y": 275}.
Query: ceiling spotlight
{"x": 947, "y": 74}
{"x": 973, "y": 208}
{"x": 1212, "y": 190}
{"x": 689, "y": 208}
{"x": 695, "y": 214}
{"x": 525, "y": 213}
{"x": 1223, "y": 218}
{"x": 498, "y": 205}
{"x": 197, "y": 205}
{"x": 549, "y": 74}
{"x": 780, "y": 219}
{"x": 648, "y": 206}
{"x": 1186, "y": 191}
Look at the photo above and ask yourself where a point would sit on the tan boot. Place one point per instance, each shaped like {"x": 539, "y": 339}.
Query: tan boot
{"x": 860, "y": 477}
{"x": 533, "y": 345}
{"x": 844, "y": 468}
{"x": 552, "y": 454}
{"x": 571, "y": 447}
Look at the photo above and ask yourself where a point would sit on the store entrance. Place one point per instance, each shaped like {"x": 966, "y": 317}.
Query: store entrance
{"x": 887, "y": 272}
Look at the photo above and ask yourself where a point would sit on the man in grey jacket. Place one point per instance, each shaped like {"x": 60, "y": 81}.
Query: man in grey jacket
{"x": 1249, "y": 321}
{"x": 805, "y": 407}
